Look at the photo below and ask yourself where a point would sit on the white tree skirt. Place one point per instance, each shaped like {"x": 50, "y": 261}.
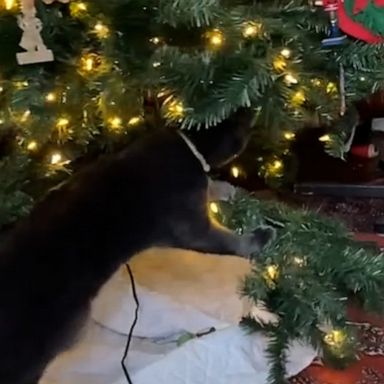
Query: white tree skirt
{"x": 227, "y": 356}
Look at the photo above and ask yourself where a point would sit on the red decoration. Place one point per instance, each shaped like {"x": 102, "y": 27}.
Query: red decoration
{"x": 355, "y": 29}
{"x": 365, "y": 151}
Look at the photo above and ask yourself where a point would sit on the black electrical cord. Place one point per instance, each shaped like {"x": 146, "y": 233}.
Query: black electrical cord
{"x": 129, "y": 339}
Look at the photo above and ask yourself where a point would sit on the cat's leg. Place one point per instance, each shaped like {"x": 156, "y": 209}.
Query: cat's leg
{"x": 219, "y": 240}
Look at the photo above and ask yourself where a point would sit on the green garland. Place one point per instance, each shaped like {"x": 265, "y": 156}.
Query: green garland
{"x": 305, "y": 277}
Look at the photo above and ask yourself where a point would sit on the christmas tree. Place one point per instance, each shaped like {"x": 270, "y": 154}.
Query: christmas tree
{"x": 98, "y": 73}
{"x": 307, "y": 277}
{"x": 83, "y": 78}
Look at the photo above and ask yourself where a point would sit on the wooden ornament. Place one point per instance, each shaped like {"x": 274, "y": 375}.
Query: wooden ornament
{"x": 31, "y": 40}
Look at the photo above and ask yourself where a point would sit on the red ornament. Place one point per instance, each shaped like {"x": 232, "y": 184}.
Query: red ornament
{"x": 330, "y": 5}
{"x": 365, "y": 151}
{"x": 355, "y": 29}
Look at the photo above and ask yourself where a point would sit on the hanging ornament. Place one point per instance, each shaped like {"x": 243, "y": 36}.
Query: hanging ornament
{"x": 335, "y": 36}
{"x": 362, "y": 19}
{"x": 31, "y": 40}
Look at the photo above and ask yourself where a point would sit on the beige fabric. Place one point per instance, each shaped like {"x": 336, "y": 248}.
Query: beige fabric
{"x": 209, "y": 283}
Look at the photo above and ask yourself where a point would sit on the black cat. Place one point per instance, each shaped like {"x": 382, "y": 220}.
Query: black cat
{"x": 55, "y": 261}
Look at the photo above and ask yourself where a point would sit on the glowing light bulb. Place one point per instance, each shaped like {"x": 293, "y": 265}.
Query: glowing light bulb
{"x": 32, "y": 146}
{"x": 214, "y": 207}
{"x": 252, "y": 29}
{"x": 235, "y": 171}
{"x": 298, "y": 98}
{"x": 25, "y": 116}
{"x": 279, "y": 64}
{"x": 56, "y": 158}
{"x": 289, "y": 135}
{"x": 362, "y": 78}
{"x": 115, "y": 122}
{"x": 277, "y": 164}
{"x": 335, "y": 338}
{"x": 156, "y": 64}
{"x": 21, "y": 84}
{"x": 298, "y": 261}
{"x": 331, "y": 87}
{"x": 51, "y": 97}
{"x": 290, "y": 79}
{"x": 286, "y": 53}
{"x": 1, "y": 89}
{"x": 215, "y": 38}
{"x": 272, "y": 271}
{"x": 325, "y": 138}
{"x": 175, "y": 109}
{"x": 62, "y": 123}
{"x": 134, "y": 120}
{"x": 101, "y": 30}
{"x": 78, "y": 8}
{"x": 89, "y": 63}
{"x": 10, "y": 4}
{"x": 155, "y": 40}
{"x": 82, "y": 6}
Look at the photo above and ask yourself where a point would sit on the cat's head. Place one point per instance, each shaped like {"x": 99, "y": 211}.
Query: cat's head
{"x": 222, "y": 143}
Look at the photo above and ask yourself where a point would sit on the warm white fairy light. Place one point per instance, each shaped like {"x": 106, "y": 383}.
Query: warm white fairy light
{"x": 298, "y": 261}
{"x": 252, "y": 29}
{"x": 331, "y": 87}
{"x": 10, "y": 4}
{"x": 290, "y": 79}
{"x": 325, "y": 138}
{"x": 335, "y": 338}
{"x": 289, "y": 135}
{"x": 134, "y": 120}
{"x": 277, "y": 164}
{"x": 155, "y": 40}
{"x": 32, "y": 146}
{"x": 215, "y": 38}
{"x": 298, "y": 98}
{"x": 115, "y": 122}
{"x": 21, "y": 84}
{"x": 286, "y": 53}
{"x": 56, "y": 158}
{"x": 235, "y": 171}
{"x": 25, "y": 116}
{"x": 214, "y": 207}
{"x": 62, "y": 123}
{"x": 101, "y": 30}
{"x": 78, "y": 8}
{"x": 51, "y": 97}
{"x": 175, "y": 109}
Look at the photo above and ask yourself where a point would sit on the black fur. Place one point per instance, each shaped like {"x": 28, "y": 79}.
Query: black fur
{"x": 53, "y": 264}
